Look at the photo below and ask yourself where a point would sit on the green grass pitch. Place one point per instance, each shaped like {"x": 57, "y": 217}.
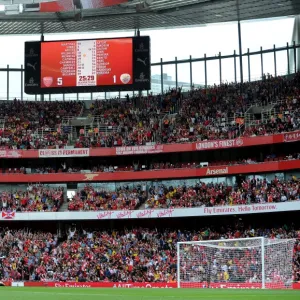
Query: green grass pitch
{"x": 9, "y": 293}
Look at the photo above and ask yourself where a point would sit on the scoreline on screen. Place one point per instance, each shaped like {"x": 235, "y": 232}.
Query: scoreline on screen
{"x": 86, "y": 63}
{"x": 87, "y": 66}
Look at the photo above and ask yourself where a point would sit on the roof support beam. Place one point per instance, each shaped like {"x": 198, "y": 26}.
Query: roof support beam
{"x": 240, "y": 41}
{"x": 61, "y": 21}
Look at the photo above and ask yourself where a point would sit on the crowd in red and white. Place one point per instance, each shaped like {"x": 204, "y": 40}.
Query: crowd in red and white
{"x": 287, "y": 118}
{"x": 125, "y": 123}
{"x": 250, "y": 191}
{"x": 210, "y": 113}
{"x": 35, "y": 125}
{"x": 128, "y": 255}
{"x": 253, "y": 190}
{"x": 217, "y": 112}
{"x": 92, "y": 198}
{"x": 36, "y": 198}
{"x": 205, "y": 114}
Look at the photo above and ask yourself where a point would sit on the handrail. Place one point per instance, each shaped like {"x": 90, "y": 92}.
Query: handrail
{"x": 220, "y": 57}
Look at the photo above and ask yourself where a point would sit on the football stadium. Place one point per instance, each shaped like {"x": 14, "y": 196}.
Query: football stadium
{"x": 150, "y": 149}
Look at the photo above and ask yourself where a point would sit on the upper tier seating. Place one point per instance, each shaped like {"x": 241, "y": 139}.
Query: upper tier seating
{"x": 216, "y": 112}
{"x": 219, "y": 194}
{"x": 35, "y": 125}
{"x": 124, "y": 198}
{"x": 251, "y": 191}
{"x": 36, "y": 198}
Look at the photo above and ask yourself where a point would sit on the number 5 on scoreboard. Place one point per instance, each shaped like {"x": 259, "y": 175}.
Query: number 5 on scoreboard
{"x": 59, "y": 81}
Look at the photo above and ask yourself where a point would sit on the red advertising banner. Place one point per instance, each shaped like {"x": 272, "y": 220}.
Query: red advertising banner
{"x": 167, "y": 148}
{"x": 296, "y": 286}
{"x": 150, "y": 285}
{"x": 68, "y": 5}
{"x": 163, "y": 285}
{"x": 140, "y": 150}
{"x": 48, "y": 153}
{"x": 239, "y": 142}
{"x": 292, "y": 137}
{"x": 152, "y": 175}
{"x": 11, "y": 153}
{"x": 230, "y": 285}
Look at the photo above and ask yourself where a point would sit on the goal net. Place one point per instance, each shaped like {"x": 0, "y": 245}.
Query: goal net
{"x": 237, "y": 263}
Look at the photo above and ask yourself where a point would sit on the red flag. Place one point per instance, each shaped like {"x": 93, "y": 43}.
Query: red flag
{"x": 8, "y": 215}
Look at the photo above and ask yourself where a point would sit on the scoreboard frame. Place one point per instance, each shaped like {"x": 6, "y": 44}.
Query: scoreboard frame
{"x": 141, "y": 72}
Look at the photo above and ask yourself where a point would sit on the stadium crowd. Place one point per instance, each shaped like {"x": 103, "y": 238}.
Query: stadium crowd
{"x": 35, "y": 125}
{"x": 204, "y": 114}
{"x": 211, "y": 113}
{"x": 124, "y": 198}
{"x": 136, "y": 255}
{"x": 250, "y": 191}
{"x": 37, "y": 198}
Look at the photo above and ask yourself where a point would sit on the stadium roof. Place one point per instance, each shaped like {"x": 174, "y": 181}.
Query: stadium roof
{"x": 142, "y": 14}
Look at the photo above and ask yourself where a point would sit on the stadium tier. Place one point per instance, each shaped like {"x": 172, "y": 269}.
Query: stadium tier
{"x": 144, "y": 255}
{"x": 147, "y": 195}
{"x": 217, "y": 113}
{"x": 34, "y": 198}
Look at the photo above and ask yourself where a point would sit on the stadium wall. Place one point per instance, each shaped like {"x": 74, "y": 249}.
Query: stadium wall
{"x": 154, "y": 149}
{"x": 154, "y": 174}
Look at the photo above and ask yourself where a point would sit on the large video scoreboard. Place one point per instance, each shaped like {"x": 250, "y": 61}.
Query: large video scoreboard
{"x": 79, "y": 66}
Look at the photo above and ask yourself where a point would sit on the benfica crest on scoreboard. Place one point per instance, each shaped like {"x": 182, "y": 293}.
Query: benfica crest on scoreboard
{"x": 8, "y": 215}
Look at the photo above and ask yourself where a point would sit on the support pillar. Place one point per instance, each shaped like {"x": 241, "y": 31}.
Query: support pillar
{"x": 240, "y": 51}
{"x": 137, "y": 33}
{"x": 234, "y": 58}
{"x": 205, "y": 70}
{"x": 220, "y": 67}
{"x": 262, "y": 63}
{"x": 295, "y": 64}
{"x": 22, "y": 83}
{"x": 288, "y": 58}
{"x": 176, "y": 72}
{"x": 275, "y": 61}
{"x": 249, "y": 65}
{"x": 42, "y": 40}
{"x": 7, "y": 83}
{"x": 161, "y": 76}
{"x": 191, "y": 73}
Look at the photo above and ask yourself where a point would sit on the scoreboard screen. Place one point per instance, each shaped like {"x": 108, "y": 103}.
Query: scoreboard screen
{"x": 78, "y": 66}
{"x": 86, "y": 63}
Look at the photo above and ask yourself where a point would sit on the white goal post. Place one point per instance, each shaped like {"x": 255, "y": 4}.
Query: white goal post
{"x": 236, "y": 263}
